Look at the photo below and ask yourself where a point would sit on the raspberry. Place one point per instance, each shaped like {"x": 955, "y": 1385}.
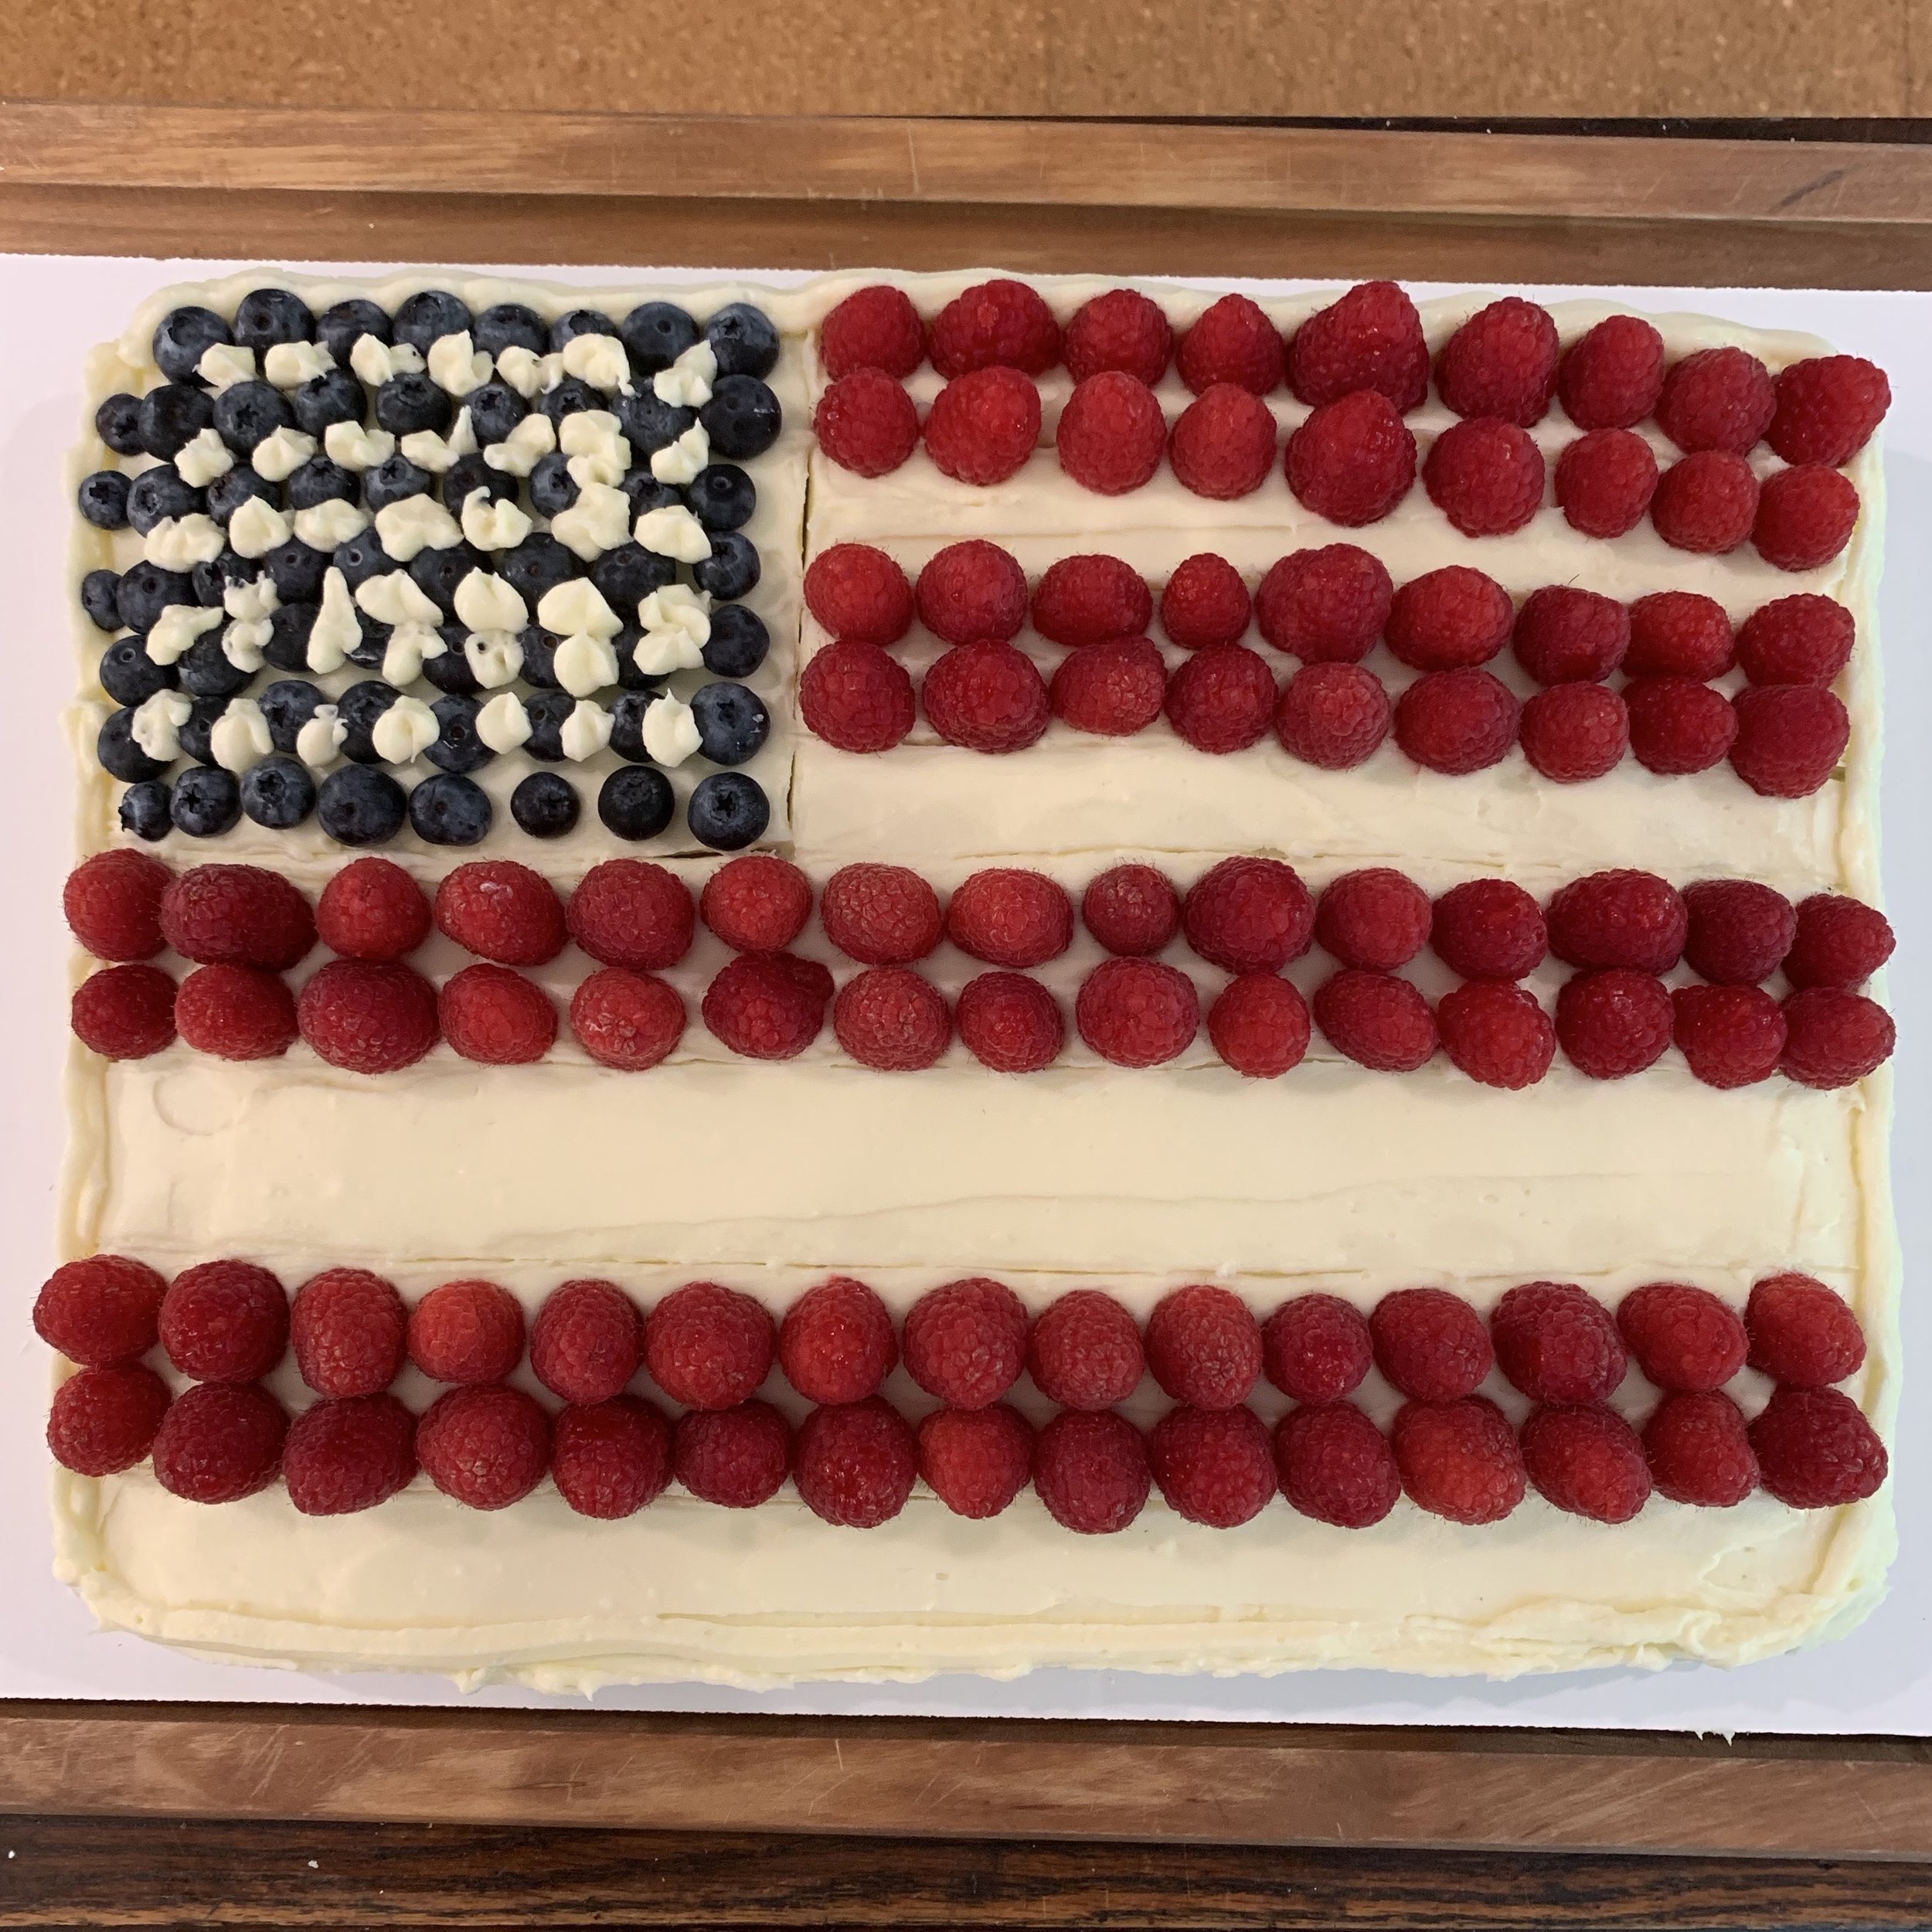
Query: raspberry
{"x": 628, "y": 912}
{"x": 1083, "y": 600}
{"x": 1619, "y": 918}
{"x": 1376, "y": 1020}
{"x": 1121, "y": 329}
{"x": 496, "y": 1016}
{"x": 1327, "y": 606}
{"x": 1815, "y": 1450}
{"x": 767, "y": 1006}
{"x": 1838, "y": 942}
{"x": 224, "y": 1321}
{"x": 1085, "y": 1351}
{"x": 1586, "y": 1461}
{"x": 1564, "y": 635}
{"x": 1090, "y": 1470}
{"x": 757, "y": 903}
{"x": 1351, "y": 461}
{"x": 236, "y": 1012}
{"x": 371, "y": 909}
{"x": 113, "y": 904}
{"x": 1459, "y": 1459}
{"x": 1682, "y": 1337}
{"x": 709, "y": 1347}
{"x": 1805, "y": 516}
{"x": 880, "y": 915}
{"x": 1573, "y": 733}
{"x": 1556, "y": 1343}
{"x": 1828, "y": 407}
{"x": 485, "y": 1447}
{"x": 1789, "y": 738}
{"x": 836, "y": 1342}
{"x": 1796, "y": 640}
{"x": 1604, "y": 482}
{"x": 856, "y": 591}
{"x": 100, "y": 1312}
{"x": 1719, "y": 399}
{"x": 1204, "y": 1347}
{"x": 1259, "y": 1024}
{"x": 966, "y": 1342}
{"x": 1112, "y": 690}
{"x": 1223, "y": 447}
{"x": 1731, "y": 1035}
{"x": 1610, "y": 377}
{"x": 366, "y": 1016}
{"x": 1802, "y": 1335}
{"x": 1429, "y": 1343}
{"x": 1485, "y": 475}
{"x": 1614, "y": 1023}
{"x": 1221, "y": 700}
{"x": 1502, "y": 362}
{"x": 891, "y": 1019}
{"x": 981, "y": 428}
{"x": 1009, "y": 916}
{"x": 1214, "y": 1466}
{"x": 874, "y": 327}
{"x": 1249, "y": 915}
{"x": 736, "y": 1458}
{"x": 348, "y": 1330}
{"x": 467, "y": 1331}
{"x": 218, "y": 1444}
{"x": 855, "y": 698}
{"x": 1010, "y": 1023}
{"x": 503, "y": 911}
{"x": 1677, "y": 725}
{"x": 1457, "y": 721}
{"x": 855, "y": 1465}
{"x": 1705, "y": 503}
{"x": 341, "y": 1457}
{"x": 1376, "y": 918}
{"x": 1738, "y": 932}
{"x": 976, "y": 1461}
{"x": 1700, "y": 1451}
{"x": 1232, "y": 342}
{"x": 610, "y": 1458}
{"x": 626, "y": 1020}
{"x": 587, "y": 1340}
{"x": 1204, "y": 602}
{"x": 104, "y": 1420}
{"x": 1834, "y": 1037}
{"x": 866, "y": 423}
{"x": 998, "y": 321}
{"x": 1332, "y": 716}
{"x": 986, "y": 697}
{"x": 236, "y": 915}
{"x": 1336, "y": 1466}
{"x": 1111, "y": 434}
{"x": 1449, "y": 619}
{"x": 1371, "y": 338}
{"x": 1679, "y": 634}
{"x": 1316, "y": 1348}
{"x": 1496, "y": 1033}
{"x": 1489, "y": 929}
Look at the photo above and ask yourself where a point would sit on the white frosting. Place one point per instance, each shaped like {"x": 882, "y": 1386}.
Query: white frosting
{"x": 599, "y": 360}
{"x": 414, "y": 524}
{"x": 203, "y": 457}
{"x": 258, "y": 528}
{"x": 224, "y": 364}
{"x": 679, "y": 461}
{"x": 404, "y": 731}
{"x": 670, "y": 732}
{"x": 487, "y": 602}
{"x": 594, "y": 437}
{"x": 584, "y": 664}
{"x": 321, "y": 739}
{"x": 500, "y": 525}
{"x": 673, "y": 531}
{"x": 495, "y": 657}
{"x": 502, "y": 722}
{"x": 676, "y": 622}
{"x": 457, "y": 364}
{"x": 239, "y": 738}
{"x": 686, "y": 384}
{"x": 176, "y": 629}
{"x": 427, "y": 451}
{"x": 528, "y": 373}
{"x": 281, "y": 454}
{"x": 395, "y": 598}
{"x": 375, "y": 362}
{"x": 290, "y": 365}
{"x": 257, "y": 598}
{"x": 587, "y": 729}
{"x": 598, "y": 521}
{"x": 355, "y": 447}
{"x": 324, "y": 525}
{"x": 180, "y": 542}
{"x": 409, "y": 646}
{"x": 244, "y": 642}
{"x": 335, "y": 632}
{"x": 157, "y": 723}
{"x": 577, "y": 604}
{"x": 525, "y": 446}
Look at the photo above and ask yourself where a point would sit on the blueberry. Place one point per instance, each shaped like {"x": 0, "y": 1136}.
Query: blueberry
{"x": 540, "y": 655}
{"x": 245, "y": 413}
{"x": 340, "y": 327}
{"x": 742, "y": 419}
{"x": 360, "y": 707}
{"x": 546, "y": 711}
{"x": 333, "y": 396}
{"x": 277, "y": 793}
{"x": 448, "y": 810}
{"x": 657, "y": 334}
{"x": 434, "y": 313}
{"x": 743, "y": 339}
{"x": 319, "y": 480}
{"x": 450, "y": 670}
{"x": 627, "y": 725}
{"x": 625, "y": 645}
{"x": 361, "y": 557}
{"x": 437, "y": 573}
{"x": 648, "y": 423}
{"x": 645, "y": 492}
{"x": 357, "y": 806}
{"x": 99, "y": 599}
{"x": 183, "y": 337}
{"x": 545, "y": 804}
{"x": 297, "y": 571}
{"x": 728, "y": 811}
{"x": 161, "y": 492}
{"x": 130, "y": 676}
{"x": 495, "y": 409}
{"x": 406, "y": 403}
{"x": 103, "y": 498}
{"x": 289, "y": 625}
{"x": 146, "y": 590}
{"x": 198, "y": 734}
{"x": 265, "y": 316}
{"x": 207, "y": 802}
{"x": 393, "y": 479}
{"x": 118, "y": 423}
{"x": 538, "y": 564}
{"x": 120, "y": 756}
{"x": 233, "y": 488}
{"x": 457, "y": 748}
{"x": 507, "y": 325}
{"x": 738, "y": 643}
{"x": 732, "y": 722}
{"x": 552, "y": 487}
{"x": 144, "y": 810}
{"x": 205, "y": 671}
{"x": 172, "y": 416}
{"x": 569, "y": 395}
{"x": 636, "y": 801}
{"x": 287, "y": 706}
{"x": 372, "y": 647}
{"x": 212, "y": 578}
{"x": 628, "y": 575}
{"x": 722, "y": 497}
{"x": 469, "y": 474}
{"x": 732, "y": 569}
{"x": 580, "y": 322}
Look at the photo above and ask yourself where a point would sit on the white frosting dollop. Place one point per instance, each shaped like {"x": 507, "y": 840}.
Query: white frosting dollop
{"x": 180, "y": 542}
{"x": 335, "y": 632}
{"x": 499, "y": 525}
{"x": 584, "y": 664}
{"x": 320, "y": 740}
{"x": 239, "y": 738}
{"x": 414, "y": 524}
{"x": 224, "y": 364}
{"x": 502, "y": 724}
{"x": 457, "y": 364}
{"x": 686, "y": 384}
{"x": 599, "y": 360}
{"x": 525, "y": 446}
{"x": 495, "y": 657}
{"x": 427, "y": 451}
{"x": 324, "y": 525}
{"x": 279, "y": 454}
{"x": 675, "y": 532}
{"x": 375, "y": 362}
{"x": 176, "y": 629}
{"x": 404, "y": 731}
{"x": 679, "y": 461}
{"x": 258, "y": 528}
{"x": 676, "y": 622}
{"x": 245, "y": 642}
{"x": 157, "y": 723}
{"x": 577, "y": 604}
{"x": 528, "y": 373}
{"x": 599, "y": 520}
{"x": 670, "y": 731}
{"x": 487, "y": 602}
{"x": 257, "y": 598}
{"x": 290, "y": 365}
{"x": 395, "y": 598}
{"x": 409, "y": 646}
{"x": 203, "y": 457}
{"x": 355, "y": 446}
{"x": 586, "y": 731}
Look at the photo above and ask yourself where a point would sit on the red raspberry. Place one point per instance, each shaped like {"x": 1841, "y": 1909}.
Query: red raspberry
{"x": 1085, "y": 1351}
{"x": 1815, "y": 1450}
{"x": 1090, "y": 1471}
{"x": 856, "y": 591}
{"x": 709, "y": 1347}
{"x": 1706, "y": 503}
{"x": 966, "y": 1342}
{"x": 1223, "y": 446}
{"x": 1132, "y": 910}
{"x": 1489, "y": 929}
{"x": 100, "y": 1312}
{"x": 1084, "y": 600}
{"x": 236, "y": 1012}
{"x": 736, "y": 1458}
{"x": 1332, "y": 716}
{"x": 1121, "y": 329}
{"x": 610, "y": 1458}
{"x": 1719, "y": 399}
{"x": 1502, "y": 362}
{"x": 1010, "y": 1023}
{"x": 836, "y": 1343}
{"x": 1204, "y": 602}
{"x": 485, "y": 1447}
{"x": 1614, "y": 1023}
{"x": 1564, "y": 635}
{"x": 1112, "y": 434}
{"x": 986, "y": 697}
{"x": 1112, "y": 690}
{"x": 496, "y": 1016}
{"x": 1739, "y": 931}
{"x": 757, "y": 903}
{"x": 1316, "y": 1349}
{"x": 1805, "y": 516}
{"x": 1221, "y": 700}
{"x": 1327, "y": 606}
{"x": 1496, "y": 1034}
{"x": 1700, "y": 1451}
{"x": 1351, "y": 461}
{"x": 1336, "y": 1466}
{"x": 767, "y": 1006}
{"x": 1232, "y": 342}
{"x": 982, "y": 427}
{"x": 1677, "y": 725}
{"x": 855, "y": 1464}
{"x": 371, "y": 909}
{"x": 890, "y": 1019}
{"x": 626, "y": 1020}
{"x": 1619, "y": 918}
{"x": 1586, "y": 1461}
{"x": 1429, "y": 1343}
{"x": 1834, "y": 1037}
{"x": 998, "y": 321}
{"x": 1009, "y": 916}
{"x": 104, "y": 1420}
{"x": 1259, "y": 1024}
{"x": 218, "y": 1444}
{"x": 866, "y": 423}
{"x": 1789, "y": 738}
{"x": 880, "y": 915}
{"x": 1376, "y": 1020}
{"x": 629, "y": 912}
{"x": 1679, "y": 634}
{"x": 1371, "y": 338}
{"x": 367, "y": 1016}
{"x": 1604, "y": 482}
{"x": 1573, "y": 733}
{"x": 1801, "y": 1334}
{"x": 113, "y": 904}
{"x": 587, "y": 1340}
{"x": 855, "y": 698}
{"x": 1457, "y": 721}
{"x": 1214, "y": 1466}
{"x": 1204, "y": 1347}
{"x": 224, "y": 1321}
{"x": 1449, "y": 619}
{"x": 1796, "y": 640}
{"x": 1249, "y": 915}
{"x": 466, "y": 1332}
{"x": 1485, "y": 475}
{"x": 341, "y": 1457}
{"x": 1557, "y": 1344}
{"x": 1838, "y": 942}
{"x": 503, "y": 911}
{"x": 874, "y": 327}
{"x": 236, "y": 915}
{"x": 1682, "y": 1337}
{"x": 1459, "y": 1459}
{"x": 349, "y": 1333}
{"x": 976, "y": 1461}
{"x": 1827, "y": 408}
{"x": 1610, "y": 377}
{"x": 1376, "y": 918}
{"x": 1731, "y": 1035}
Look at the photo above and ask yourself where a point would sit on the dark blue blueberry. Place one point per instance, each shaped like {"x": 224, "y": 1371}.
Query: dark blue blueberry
{"x": 738, "y": 644}
{"x": 406, "y": 403}
{"x": 722, "y": 497}
{"x": 580, "y": 322}
{"x": 569, "y": 395}
{"x": 146, "y": 590}
{"x": 362, "y": 706}
{"x": 264, "y": 317}
{"x": 172, "y": 416}
{"x": 427, "y": 316}
{"x": 198, "y": 734}
{"x": 636, "y": 801}
{"x": 207, "y": 802}
{"x": 297, "y": 571}
{"x": 552, "y": 487}
{"x": 742, "y": 419}
{"x": 287, "y": 706}
{"x": 205, "y": 671}
{"x": 627, "y": 725}
{"x": 645, "y": 492}
{"x": 657, "y": 334}
{"x": 743, "y": 339}
{"x": 732, "y": 722}
{"x": 333, "y": 396}
{"x": 130, "y": 676}
{"x": 628, "y": 575}
{"x": 103, "y": 498}
{"x": 546, "y": 711}
{"x": 278, "y": 792}
{"x": 161, "y": 492}
{"x": 437, "y": 573}
{"x": 508, "y": 325}
{"x": 319, "y": 480}
{"x": 359, "y": 806}
{"x": 245, "y": 413}
{"x": 732, "y": 569}
{"x": 144, "y": 810}
{"x": 539, "y": 654}
{"x": 457, "y": 748}
{"x": 361, "y": 557}
{"x": 538, "y": 564}
{"x": 340, "y": 327}
{"x": 545, "y": 804}
{"x": 183, "y": 336}
{"x": 466, "y": 476}
{"x": 99, "y": 598}
{"x": 448, "y": 810}
{"x": 289, "y": 625}
{"x": 118, "y": 423}
{"x": 213, "y": 577}
{"x": 625, "y": 645}
{"x": 450, "y": 670}
{"x": 728, "y": 811}
{"x": 648, "y": 423}
{"x": 372, "y": 647}
{"x": 393, "y": 479}
{"x": 495, "y": 409}
{"x": 120, "y": 756}
{"x": 233, "y": 488}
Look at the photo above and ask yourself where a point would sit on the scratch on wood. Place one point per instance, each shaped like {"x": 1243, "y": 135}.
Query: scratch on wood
{"x": 912, "y": 155}
{"x": 1830, "y": 179}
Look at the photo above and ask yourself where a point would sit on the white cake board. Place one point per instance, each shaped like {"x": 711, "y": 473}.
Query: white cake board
{"x": 1879, "y": 1681}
